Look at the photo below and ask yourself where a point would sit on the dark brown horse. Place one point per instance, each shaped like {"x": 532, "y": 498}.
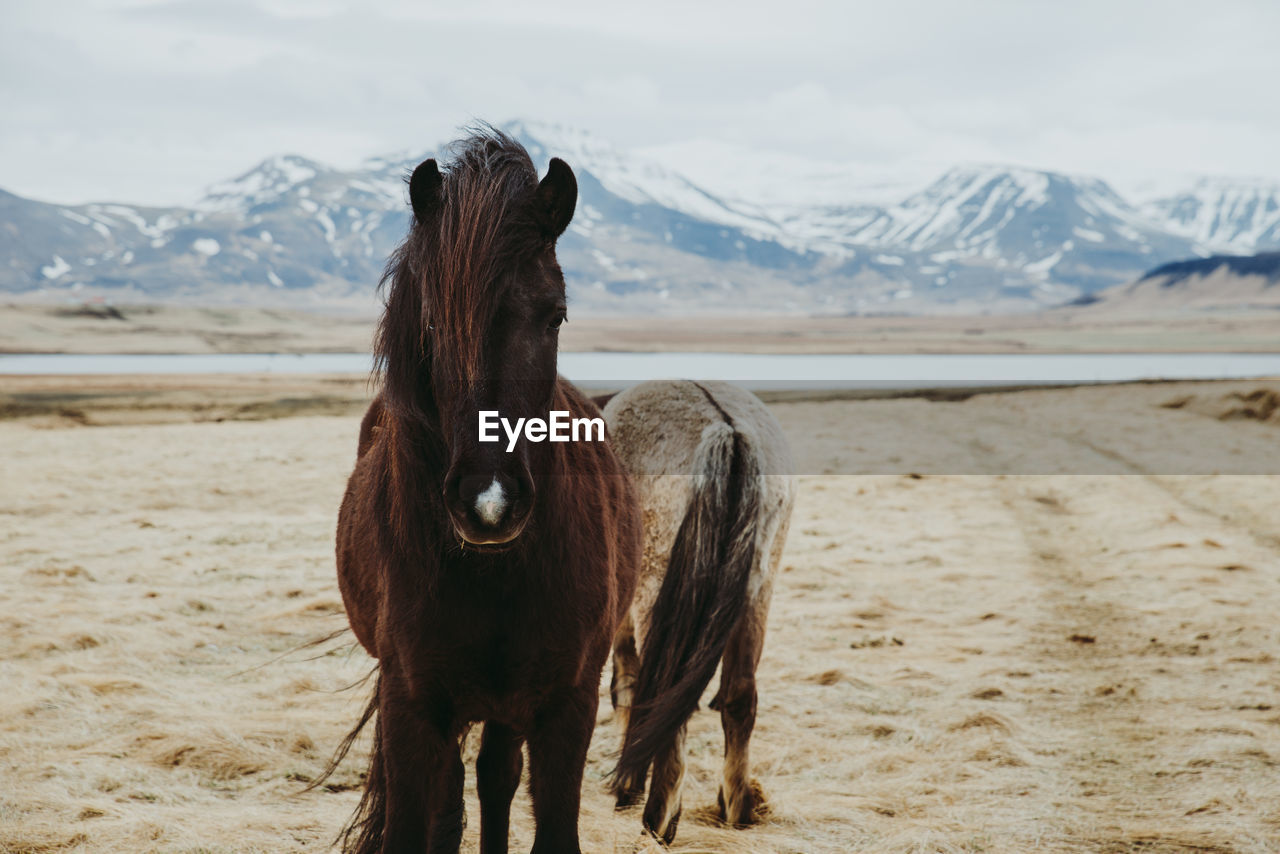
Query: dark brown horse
{"x": 488, "y": 584}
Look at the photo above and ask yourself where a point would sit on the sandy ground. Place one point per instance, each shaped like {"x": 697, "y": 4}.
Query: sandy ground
{"x": 969, "y": 661}
{"x": 98, "y": 328}
{"x": 35, "y": 328}
{"x": 1058, "y": 331}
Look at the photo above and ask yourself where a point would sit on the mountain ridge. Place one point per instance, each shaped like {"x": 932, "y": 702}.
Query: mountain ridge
{"x": 980, "y": 237}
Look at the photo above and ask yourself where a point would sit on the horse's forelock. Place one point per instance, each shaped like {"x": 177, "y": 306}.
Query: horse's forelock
{"x": 457, "y": 260}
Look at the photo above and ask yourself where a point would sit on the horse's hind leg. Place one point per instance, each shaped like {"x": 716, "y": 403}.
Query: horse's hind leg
{"x": 497, "y": 777}
{"x": 662, "y": 810}
{"x": 736, "y": 701}
{"x": 740, "y": 799}
{"x": 626, "y": 665}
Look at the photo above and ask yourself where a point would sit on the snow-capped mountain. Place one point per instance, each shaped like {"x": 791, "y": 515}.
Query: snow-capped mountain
{"x": 991, "y": 210}
{"x": 1042, "y": 226}
{"x": 645, "y": 238}
{"x": 637, "y": 180}
{"x": 635, "y": 200}
{"x": 1222, "y": 214}
{"x": 779, "y": 179}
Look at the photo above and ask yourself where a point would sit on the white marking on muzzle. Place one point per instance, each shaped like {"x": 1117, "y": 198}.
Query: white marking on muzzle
{"x": 491, "y": 504}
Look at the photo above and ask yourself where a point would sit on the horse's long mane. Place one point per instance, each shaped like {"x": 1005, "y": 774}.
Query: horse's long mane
{"x": 444, "y": 282}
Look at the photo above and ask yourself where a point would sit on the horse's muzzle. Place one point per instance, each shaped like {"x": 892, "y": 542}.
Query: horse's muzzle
{"x": 488, "y": 509}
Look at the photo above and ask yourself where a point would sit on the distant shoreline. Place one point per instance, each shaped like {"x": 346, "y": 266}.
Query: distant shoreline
{"x": 102, "y": 329}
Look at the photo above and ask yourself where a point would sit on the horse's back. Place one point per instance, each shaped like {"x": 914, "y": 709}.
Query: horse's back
{"x": 656, "y": 426}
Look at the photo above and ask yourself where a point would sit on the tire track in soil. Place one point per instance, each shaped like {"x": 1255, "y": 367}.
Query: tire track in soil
{"x": 1147, "y": 741}
{"x": 1166, "y": 482}
{"x": 1255, "y": 523}
{"x": 1255, "y": 527}
{"x": 1128, "y": 674}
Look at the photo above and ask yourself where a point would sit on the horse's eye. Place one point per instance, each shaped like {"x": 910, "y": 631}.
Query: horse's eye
{"x": 556, "y": 321}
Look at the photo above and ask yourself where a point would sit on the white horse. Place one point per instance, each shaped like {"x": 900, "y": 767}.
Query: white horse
{"x": 716, "y": 484}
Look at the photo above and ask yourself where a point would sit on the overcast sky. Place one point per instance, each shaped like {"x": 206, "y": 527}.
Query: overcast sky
{"x": 151, "y": 101}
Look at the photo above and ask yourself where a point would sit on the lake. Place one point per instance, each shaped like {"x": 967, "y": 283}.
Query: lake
{"x": 758, "y": 371}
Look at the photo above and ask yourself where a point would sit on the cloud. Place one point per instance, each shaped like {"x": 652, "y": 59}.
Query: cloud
{"x": 152, "y": 101}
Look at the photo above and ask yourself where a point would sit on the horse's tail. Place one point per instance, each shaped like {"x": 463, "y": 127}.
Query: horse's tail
{"x": 363, "y": 832}
{"x": 704, "y": 594}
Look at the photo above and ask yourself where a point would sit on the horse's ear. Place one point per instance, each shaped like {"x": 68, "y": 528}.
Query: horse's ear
{"x": 425, "y": 189}
{"x": 557, "y": 197}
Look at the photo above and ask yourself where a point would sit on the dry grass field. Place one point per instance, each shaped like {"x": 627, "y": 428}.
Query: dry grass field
{"x": 1081, "y": 658}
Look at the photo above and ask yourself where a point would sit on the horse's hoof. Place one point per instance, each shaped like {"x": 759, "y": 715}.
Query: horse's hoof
{"x": 750, "y": 809}
{"x": 668, "y": 834}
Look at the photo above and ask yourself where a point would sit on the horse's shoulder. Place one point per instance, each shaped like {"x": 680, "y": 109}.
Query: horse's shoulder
{"x": 370, "y": 426}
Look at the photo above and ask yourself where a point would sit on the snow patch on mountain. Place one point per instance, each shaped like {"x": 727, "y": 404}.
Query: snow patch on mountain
{"x": 1223, "y": 214}
{"x": 777, "y": 179}
{"x": 266, "y": 182}
{"x": 57, "y": 269}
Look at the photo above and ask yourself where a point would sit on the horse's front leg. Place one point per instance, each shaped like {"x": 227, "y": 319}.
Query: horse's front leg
{"x": 446, "y": 812}
{"x": 557, "y": 753}
{"x": 422, "y": 775}
{"x": 497, "y": 777}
